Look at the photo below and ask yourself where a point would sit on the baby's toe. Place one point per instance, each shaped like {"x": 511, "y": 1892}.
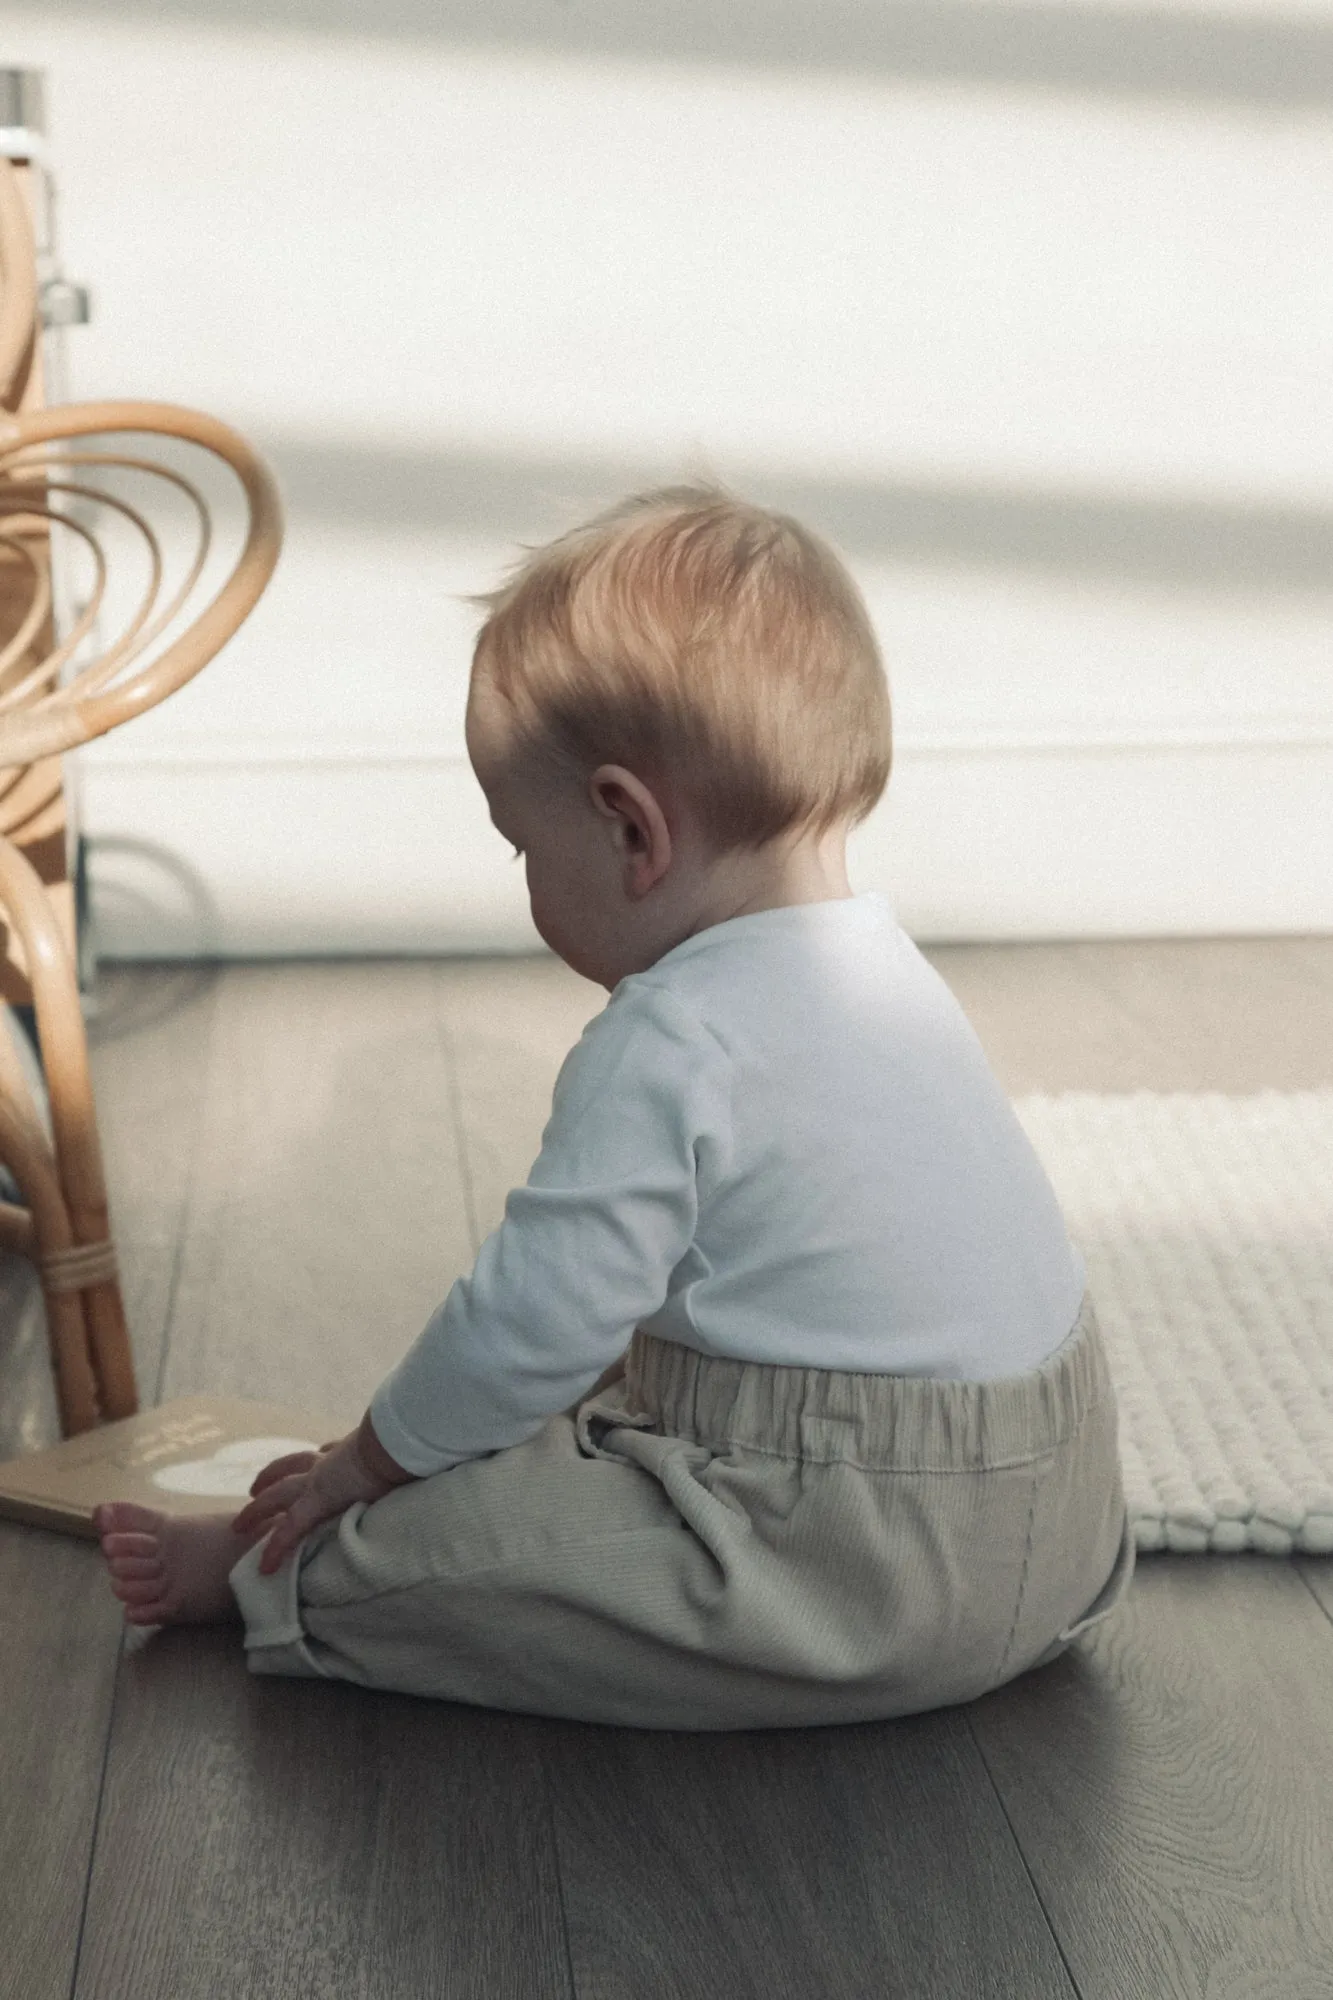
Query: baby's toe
{"x": 126, "y": 1517}
{"x": 127, "y": 1567}
{"x": 114, "y": 1546}
{"x": 147, "y": 1614}
{"x": 138, "y": 1590}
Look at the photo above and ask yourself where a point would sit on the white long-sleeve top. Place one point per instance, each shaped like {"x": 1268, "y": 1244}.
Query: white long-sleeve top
{"x": 781, "y": 1143}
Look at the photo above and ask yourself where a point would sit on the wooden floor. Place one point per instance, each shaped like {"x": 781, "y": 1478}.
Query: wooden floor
{"x": 302, "y": 1158}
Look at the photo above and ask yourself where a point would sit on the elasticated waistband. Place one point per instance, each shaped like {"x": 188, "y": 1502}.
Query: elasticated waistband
{"x": 887, "y": 1423}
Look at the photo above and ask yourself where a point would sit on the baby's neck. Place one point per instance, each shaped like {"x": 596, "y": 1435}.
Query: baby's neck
{"x": 701, "y": 888}
{"x": 711, "y": 892}
{"x": 808, "y": 871}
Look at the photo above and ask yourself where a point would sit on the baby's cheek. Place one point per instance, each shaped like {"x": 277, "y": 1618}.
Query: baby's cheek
{"x": 546, "y": 917}
{"x": 542, "y": 922}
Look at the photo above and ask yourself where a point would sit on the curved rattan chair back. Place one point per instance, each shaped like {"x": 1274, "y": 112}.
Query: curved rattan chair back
{"x": 65, "y": 679}
{"x": 55, "y": 479}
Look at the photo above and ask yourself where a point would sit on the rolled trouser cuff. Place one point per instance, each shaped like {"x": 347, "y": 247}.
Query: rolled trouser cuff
{"x": 275, "y": 1641}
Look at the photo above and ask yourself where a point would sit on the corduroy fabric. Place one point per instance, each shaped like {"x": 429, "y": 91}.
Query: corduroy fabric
{"x": 712, "y": 1544}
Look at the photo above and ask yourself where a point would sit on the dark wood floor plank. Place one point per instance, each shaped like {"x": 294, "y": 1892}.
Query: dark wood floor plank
{"x": 327, "y": 1219}
{"x": 59, "y": 1635}
{"x": 1044, "y": 1020}
{"x": 1219, "y": 1014}
{"x": 150, "y": 1034}
{"x": 1316, "y": 1572}
{"x": 1170, "y": 1781}
{"x": 307, "y": 1840}
{"x": 509, "y": 1024}
{"x": 782, "y": 1865}
{"x": 1227, "y": 1014}
{"x": 1312, "y": 957}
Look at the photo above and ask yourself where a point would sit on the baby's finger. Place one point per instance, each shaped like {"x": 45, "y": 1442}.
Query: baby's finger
{"x": 282, "y": 1468}
{"x": 285, "y": 1537}
{"x": 275, "y": 1499}
{"x": 274, "y": 1552}
{"x": 305, "y": 1514}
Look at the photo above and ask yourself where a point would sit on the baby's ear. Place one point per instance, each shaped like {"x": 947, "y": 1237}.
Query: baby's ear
{"x": 613, "y": 793}
{"x": 599, "y": 793}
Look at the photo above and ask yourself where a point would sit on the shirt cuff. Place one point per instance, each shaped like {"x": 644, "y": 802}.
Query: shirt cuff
{"x": 405, "y": 1449}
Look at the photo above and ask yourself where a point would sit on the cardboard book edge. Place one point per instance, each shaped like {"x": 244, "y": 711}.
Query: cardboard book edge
{"x": 35, "y": 1513}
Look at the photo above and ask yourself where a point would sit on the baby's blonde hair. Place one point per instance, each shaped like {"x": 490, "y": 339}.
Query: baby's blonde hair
{"x": 707, "y": 644}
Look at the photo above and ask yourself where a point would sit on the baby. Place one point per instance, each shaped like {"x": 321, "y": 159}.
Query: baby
{"x": 778, "y": 1396}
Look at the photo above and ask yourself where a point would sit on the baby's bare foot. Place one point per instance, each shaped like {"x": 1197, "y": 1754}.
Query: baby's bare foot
{"x": 170, "y": 1569}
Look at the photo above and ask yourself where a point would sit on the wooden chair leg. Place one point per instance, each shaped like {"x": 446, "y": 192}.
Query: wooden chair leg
{"x": 109, "y": 1345}
{"x": 78, "y": 1152}
{"x": 76, "y": 1385}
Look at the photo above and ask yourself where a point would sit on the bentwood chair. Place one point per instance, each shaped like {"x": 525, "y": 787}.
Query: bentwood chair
{"x": 63, "y": 682}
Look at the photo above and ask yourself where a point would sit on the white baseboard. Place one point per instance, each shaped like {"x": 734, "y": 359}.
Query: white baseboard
{"x": 257, "y": 851}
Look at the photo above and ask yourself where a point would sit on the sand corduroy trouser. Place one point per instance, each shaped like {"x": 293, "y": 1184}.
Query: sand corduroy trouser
{"x": 716, "y": 1544}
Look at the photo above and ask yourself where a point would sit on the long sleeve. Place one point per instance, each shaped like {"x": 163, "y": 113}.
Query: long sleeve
{"x": 641, "y": 1112}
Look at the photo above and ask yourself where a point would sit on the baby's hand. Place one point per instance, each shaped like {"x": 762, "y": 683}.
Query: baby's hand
{"x": 296, "y": 1493}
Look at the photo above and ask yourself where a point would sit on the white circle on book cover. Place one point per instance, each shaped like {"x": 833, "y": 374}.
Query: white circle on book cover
{"x": 231, "y": 1471}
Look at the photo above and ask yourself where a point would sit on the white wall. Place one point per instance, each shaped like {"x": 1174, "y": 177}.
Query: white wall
{"x": 1041, "y": 339}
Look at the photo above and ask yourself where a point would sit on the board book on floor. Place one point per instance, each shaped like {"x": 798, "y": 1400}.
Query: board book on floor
{"x": 196, "y": 1455}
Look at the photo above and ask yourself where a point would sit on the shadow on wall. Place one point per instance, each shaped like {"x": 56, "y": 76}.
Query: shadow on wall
{"x": 1123, "y": 51}
{"x": 142, "y": 878}
{"x": 1179, "y": 544}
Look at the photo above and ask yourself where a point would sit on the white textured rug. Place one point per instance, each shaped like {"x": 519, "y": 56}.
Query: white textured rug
{"x": 1207, "y": 1226}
